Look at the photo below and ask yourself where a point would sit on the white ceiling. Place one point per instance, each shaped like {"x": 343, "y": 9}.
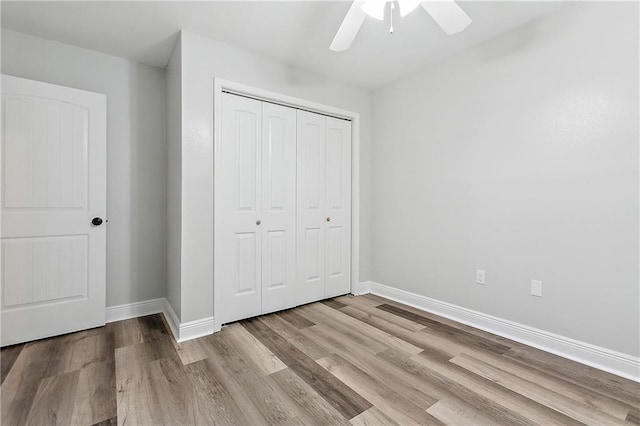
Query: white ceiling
{"x": 295, "y": 32}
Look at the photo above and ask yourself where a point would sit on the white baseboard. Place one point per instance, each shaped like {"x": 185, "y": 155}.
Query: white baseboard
{"x": 362, "y": 288}
{"x": 194, "y": 329}
{"x": 172, "y": 319}
{"x": 617, "y": 363}
{"x": 181, "y": 331}
{"x": 134, "y": 310}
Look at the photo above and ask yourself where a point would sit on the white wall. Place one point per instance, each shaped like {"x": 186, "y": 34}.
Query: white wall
{"x": 202, "y": 60}
{"x": 174, "y": 178}
{"x": 136, "y": 153}
{"x": 519, "y": 157}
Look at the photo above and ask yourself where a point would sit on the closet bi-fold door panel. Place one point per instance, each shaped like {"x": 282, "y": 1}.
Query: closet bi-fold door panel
{"x": 278, "y": 207}
{"x": 238, "y": 239}
{"x": 324, "y": 207}
{"x": 310, "y": 285}
{"x": 338, "y": 206}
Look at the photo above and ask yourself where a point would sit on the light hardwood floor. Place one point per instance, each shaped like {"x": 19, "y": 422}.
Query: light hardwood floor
{"x": 350, "y": 360}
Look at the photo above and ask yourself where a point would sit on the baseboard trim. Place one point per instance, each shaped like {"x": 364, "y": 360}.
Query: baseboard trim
{"x": 614, "y": 362}
{"x": 172, "y": 320}
{"x": 134, "y": 310}
{"x": 362, "y": 288}
{"x": 181, "y": 331}
{"x": 194, "y": 329}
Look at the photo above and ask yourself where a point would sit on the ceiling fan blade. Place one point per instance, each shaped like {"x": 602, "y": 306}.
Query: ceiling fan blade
{"x": 448, "y": 15}
{"x": 407, "y": 6}
{"x": 349, "y": 28}
{"x": 375, "y": 8}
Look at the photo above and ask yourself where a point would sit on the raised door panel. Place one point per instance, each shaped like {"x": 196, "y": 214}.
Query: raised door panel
{"x": 47, "y": 143}
{"x": 246, "y": 264}
{"x": 338, "y": 207}
{"x": 53, "y": 184}
{"x": 311, "y": 207}
{"x": 44, "y": 269}
{"x": 238, "y": 242}
{"x": 278, "y": 207}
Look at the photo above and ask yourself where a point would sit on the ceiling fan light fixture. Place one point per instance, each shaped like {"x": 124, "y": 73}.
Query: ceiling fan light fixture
{"x": 375, "y": 8}
{"x": 407, "y": 6}
{"x": 451, "y": 18}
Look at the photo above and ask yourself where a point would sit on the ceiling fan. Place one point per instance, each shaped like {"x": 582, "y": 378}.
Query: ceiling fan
{"x": 446, "y": 13}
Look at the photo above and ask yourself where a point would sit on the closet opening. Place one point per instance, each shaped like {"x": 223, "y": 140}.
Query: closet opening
{"x": 285, "y": 202}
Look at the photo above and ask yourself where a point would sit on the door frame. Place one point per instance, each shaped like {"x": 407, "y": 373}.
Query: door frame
{"x": 220, "y": 85}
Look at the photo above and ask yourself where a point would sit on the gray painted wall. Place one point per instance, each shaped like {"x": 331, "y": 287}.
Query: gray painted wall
{"x": 519, "y": 157}
{"x": 136, "y": 153}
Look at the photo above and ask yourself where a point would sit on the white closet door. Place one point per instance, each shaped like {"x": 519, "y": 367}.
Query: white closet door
{"x": 238, "y": 244}
{"x": 53, "y": 245}
{"x": 338, "y": 207}
{"x": 278, "y": 207}
{"x": 311, "y": 207}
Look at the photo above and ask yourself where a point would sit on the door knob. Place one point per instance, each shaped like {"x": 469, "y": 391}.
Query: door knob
{"x": 328, "y": 219}
{"x": 258, "y": 222}
{"x": 96, "y": 221}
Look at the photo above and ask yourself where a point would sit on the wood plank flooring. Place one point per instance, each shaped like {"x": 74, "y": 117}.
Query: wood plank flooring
{"x": 350, "y": 360}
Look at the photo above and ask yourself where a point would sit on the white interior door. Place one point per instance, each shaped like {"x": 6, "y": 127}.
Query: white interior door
{"x": 278, "y": 207}
{"x": 338, "y": 207}
{"x": 53, "y": 185}
{"x": 238, "y": 239}
{"x": 311, "y": 225}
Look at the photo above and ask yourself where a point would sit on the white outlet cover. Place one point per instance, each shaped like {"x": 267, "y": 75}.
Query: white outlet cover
{"x": 480, "y": 276}
{"x": 536, "y": 288}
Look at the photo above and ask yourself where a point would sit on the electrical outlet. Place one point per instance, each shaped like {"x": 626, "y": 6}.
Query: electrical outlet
{"x": 480, "y": 276}
{"x": 536, "y": 288}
